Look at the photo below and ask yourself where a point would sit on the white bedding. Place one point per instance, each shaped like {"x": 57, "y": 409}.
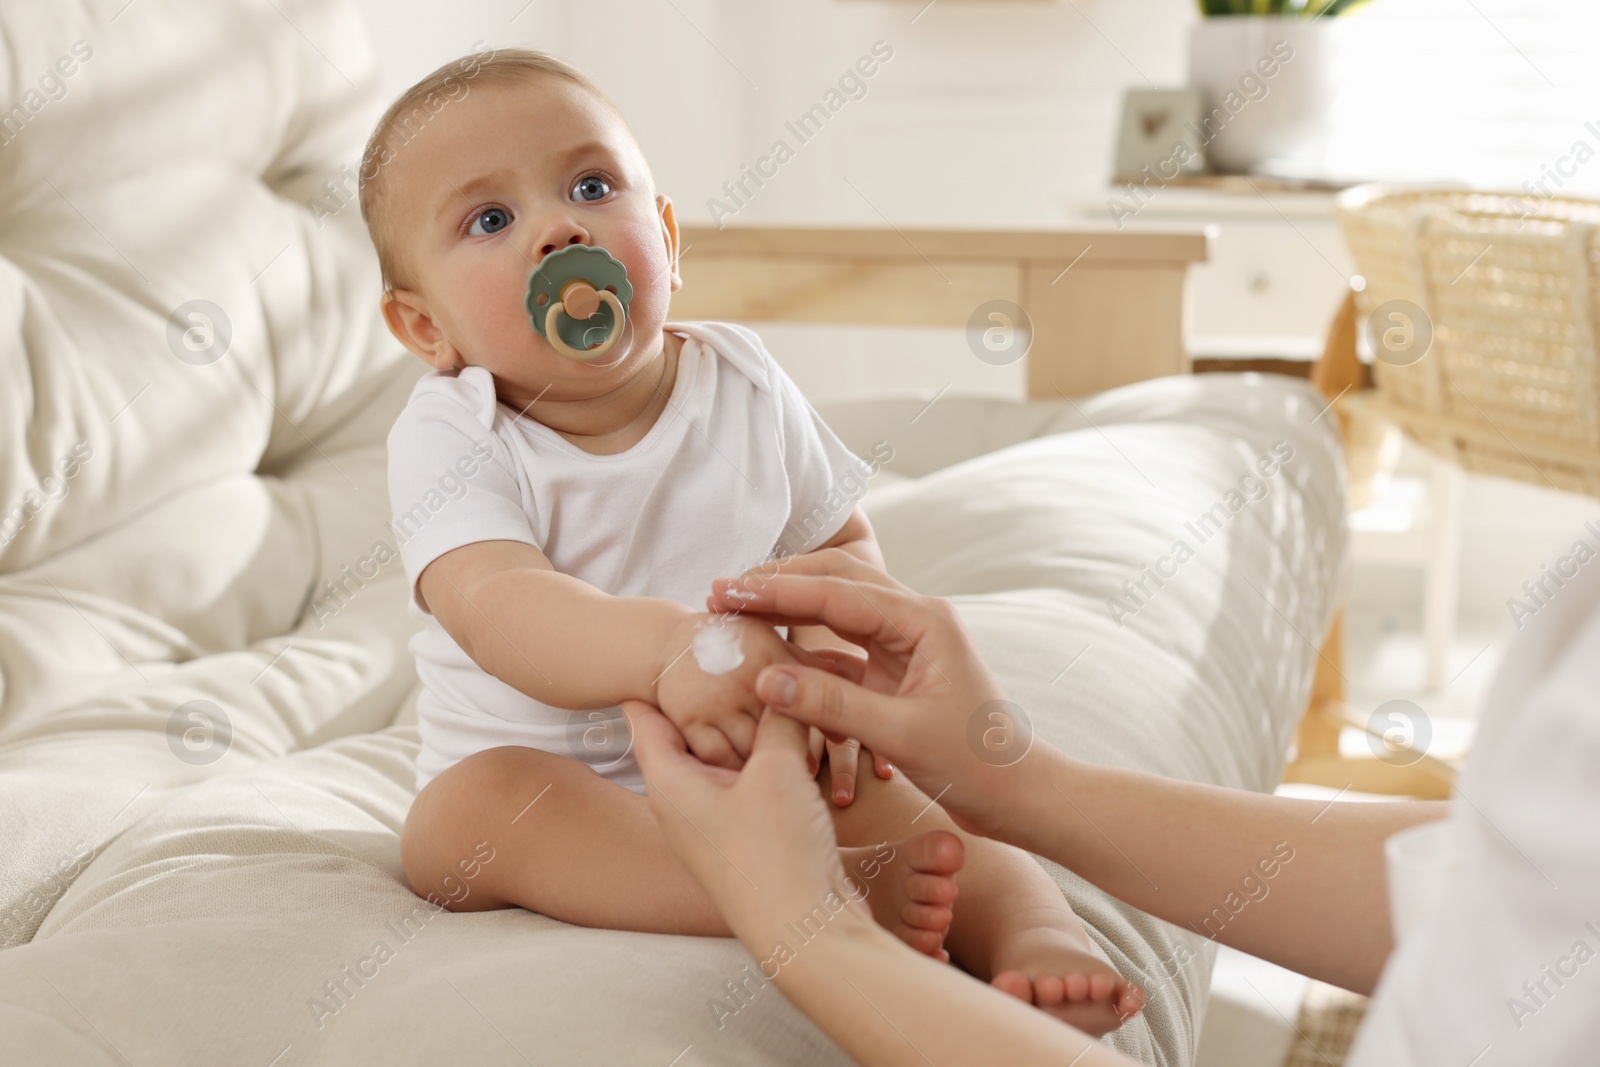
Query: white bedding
{"x": 171, "y": 904}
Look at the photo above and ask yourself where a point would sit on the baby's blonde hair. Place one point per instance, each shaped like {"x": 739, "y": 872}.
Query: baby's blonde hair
{"x": 418, "y": 105}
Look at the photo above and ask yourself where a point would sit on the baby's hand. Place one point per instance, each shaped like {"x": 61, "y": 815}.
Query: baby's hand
{"x": 708, "y": 687}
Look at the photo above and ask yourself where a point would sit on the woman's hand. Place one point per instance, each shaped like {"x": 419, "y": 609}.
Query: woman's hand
{"x": 761, "y": 843}
{"x": 760, "y": 840}
{"x": 921, "y": 697}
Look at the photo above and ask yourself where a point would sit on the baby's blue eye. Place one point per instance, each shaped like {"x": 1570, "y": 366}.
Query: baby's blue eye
{"x": 591, "y": 183}
{"x": 489, "y": 221}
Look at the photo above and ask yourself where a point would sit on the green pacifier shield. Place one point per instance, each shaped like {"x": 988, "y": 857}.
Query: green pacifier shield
{"x": 593, "y": 265}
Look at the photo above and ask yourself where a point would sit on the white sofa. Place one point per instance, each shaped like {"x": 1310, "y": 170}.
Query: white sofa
{"x": 178, "y": 889}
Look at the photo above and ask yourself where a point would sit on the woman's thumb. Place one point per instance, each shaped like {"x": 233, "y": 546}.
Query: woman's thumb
{"x": 657, "y": 744}
{"x": 830, "y": 703}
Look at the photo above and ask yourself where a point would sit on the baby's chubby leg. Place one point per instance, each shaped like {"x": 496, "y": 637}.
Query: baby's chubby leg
{"x": 564, "y": 842}
{"x": 520, "y": 827}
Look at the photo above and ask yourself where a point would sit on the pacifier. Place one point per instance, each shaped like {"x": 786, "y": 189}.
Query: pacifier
{"x": 578, "y": 301}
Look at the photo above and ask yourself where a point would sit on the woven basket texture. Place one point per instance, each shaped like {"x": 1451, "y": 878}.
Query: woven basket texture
{"x": 1511, "y": 288}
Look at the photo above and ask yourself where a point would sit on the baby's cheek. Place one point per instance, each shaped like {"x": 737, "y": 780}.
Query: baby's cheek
{"x": 644, "y": 254}
{"x": 492, "y": 314}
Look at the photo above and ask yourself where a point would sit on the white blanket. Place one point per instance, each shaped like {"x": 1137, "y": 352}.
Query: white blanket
{"x": 204, "y": 750}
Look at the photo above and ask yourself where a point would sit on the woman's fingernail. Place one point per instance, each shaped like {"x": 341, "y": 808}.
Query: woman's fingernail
{"x": 777, "y": 686}
{"x": 840, "y": 794}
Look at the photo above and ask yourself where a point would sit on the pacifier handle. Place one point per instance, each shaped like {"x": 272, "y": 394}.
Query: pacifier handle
{"x": 584, "y": 299}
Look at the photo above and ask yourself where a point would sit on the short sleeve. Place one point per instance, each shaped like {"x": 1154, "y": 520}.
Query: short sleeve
{"x": 826, "y": 479}
{"x": 451, "y": 481}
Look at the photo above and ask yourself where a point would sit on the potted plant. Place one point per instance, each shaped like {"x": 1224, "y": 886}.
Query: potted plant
{"x": 1267, "y": 69}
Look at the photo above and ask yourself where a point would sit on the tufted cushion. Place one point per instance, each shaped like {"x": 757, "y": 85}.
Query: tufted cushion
{"x": 173, "y": 496}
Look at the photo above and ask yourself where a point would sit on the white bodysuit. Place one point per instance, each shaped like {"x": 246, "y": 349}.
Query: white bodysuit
{"x": 738, "y": 469}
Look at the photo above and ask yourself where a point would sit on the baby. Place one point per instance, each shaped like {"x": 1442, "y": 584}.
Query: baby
{"x": 561, "y": 522}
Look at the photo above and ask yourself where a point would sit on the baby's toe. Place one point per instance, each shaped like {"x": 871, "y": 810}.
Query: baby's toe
{"x": 1076, "y": 987}
{"x": 1130, "y": 1001}
{"x": 935, "y": 852}
{"x": 927, "y": 917}
{"x": 927, "y": 942}
{"x": 931, "y": 889}
{"x": 1048, "y": 990}
{"x": 1101, "y": 986}
{"x": 1016, "y": 983}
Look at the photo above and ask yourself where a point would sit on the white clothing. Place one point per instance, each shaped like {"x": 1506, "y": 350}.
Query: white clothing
{"x": 1506, "y": 971}
{"x": 738, "y": 469}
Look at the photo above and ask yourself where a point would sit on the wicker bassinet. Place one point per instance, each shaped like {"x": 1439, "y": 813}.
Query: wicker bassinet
{"x": 1511, "y": 286}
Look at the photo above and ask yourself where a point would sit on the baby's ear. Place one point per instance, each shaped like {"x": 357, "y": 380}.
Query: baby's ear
{"x": 406, "y": 315}
{"x": 669, "y": 232}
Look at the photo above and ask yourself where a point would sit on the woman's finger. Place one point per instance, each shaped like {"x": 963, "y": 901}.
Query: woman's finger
{"x": 839, "y": 708}
{"x": 844, "y": 664}
{"x": 859, "y": 612}
{"x": 811, "y": 657}
{"x": 842, "y": 759}
{"x": 831, "y": 562}
{"x": 653, "y": 734}
{"x": 779, "y": 739}
{"x": 662, "y": 752}
{"x": 882, "y": 767}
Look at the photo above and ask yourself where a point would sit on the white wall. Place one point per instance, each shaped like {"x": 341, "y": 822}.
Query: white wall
{"x": 986, "y": 113}
{"x": 991, "y": 110}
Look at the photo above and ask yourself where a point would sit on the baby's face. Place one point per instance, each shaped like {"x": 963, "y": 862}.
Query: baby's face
{"x": 492, "y": 184}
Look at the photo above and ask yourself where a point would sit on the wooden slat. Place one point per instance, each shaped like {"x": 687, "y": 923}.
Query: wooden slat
{"x": 1107, "y": 308}
{"x": 838, "y": 290}
{"x": 1109, "y": 245}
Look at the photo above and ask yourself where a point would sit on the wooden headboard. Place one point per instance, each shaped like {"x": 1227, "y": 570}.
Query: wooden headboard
{"x": 1107, "y": 307}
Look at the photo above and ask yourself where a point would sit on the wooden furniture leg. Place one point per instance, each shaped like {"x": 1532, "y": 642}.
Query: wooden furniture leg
{"x": 1318, "y": 735}
{"x": 1317, "y": 759}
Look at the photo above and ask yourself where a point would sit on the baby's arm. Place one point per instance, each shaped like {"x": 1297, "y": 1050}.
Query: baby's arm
{"x": 561, "y": 641}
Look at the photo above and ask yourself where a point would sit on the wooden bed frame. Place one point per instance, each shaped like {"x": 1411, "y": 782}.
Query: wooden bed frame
{"x": 1107, "y": 308}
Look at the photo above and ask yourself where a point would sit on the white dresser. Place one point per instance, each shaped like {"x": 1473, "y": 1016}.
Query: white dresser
{"x": 1277, "y": 271}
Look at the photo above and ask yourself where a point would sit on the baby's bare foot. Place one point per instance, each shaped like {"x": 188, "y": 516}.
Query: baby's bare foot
{"x": 910, "y": 886}
{"x": 1050, "y": 966}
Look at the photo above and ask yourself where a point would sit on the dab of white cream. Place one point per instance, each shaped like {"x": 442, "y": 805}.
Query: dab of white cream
{"x": 717, "y": 648}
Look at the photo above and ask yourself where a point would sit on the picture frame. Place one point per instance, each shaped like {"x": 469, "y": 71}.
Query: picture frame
{"x": 1159, "y": 135}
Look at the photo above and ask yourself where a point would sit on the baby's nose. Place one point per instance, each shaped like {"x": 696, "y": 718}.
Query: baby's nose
{"x": 575, "y": 239}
